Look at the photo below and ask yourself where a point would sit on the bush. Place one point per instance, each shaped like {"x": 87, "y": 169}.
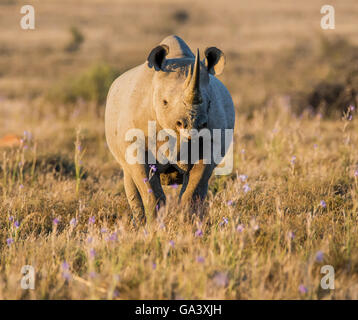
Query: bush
{"x": 181, "y": 16}
{"x": 77, "y": 39}
{"x": 331, "y": 99}
{"x": 91, "y": 86}
{"x": 329, "y": 76}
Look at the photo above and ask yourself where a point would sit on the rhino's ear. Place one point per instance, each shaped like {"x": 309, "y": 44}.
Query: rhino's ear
{"x": 157, "y": 57}
{"x": 215, "y": 60}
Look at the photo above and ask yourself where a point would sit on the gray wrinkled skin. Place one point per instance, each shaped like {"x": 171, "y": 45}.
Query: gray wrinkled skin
{"x": 168, "y": 89}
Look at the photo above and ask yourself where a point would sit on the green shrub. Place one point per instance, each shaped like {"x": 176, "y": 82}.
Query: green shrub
{"x": 77, "y": 39}
{"x": 92, "y": 86}
{"x": 322, "y": 79}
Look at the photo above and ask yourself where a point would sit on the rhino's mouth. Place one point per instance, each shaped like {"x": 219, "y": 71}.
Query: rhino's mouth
{"x": 187, "y": 135}
{"x": 190, "y": 134}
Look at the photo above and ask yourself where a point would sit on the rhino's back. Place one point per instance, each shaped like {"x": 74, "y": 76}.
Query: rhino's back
{"x": 127, "y": 106}
{"x": 125, "y": 83}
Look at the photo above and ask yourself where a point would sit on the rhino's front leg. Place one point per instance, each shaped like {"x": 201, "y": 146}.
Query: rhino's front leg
{"x": 134, "y": 198}
{"x": 150, "y": 190}
{"x": 195, "y": 184}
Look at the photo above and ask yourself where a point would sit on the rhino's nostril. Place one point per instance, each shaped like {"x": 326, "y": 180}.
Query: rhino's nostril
{"x": 204, "y": 125}
{"x": 181, "y": 124}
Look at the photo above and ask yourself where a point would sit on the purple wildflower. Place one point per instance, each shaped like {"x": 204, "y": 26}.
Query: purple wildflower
{"x": 17, "y": 224}
{"x": 153, "y": 167}
{"x": 92, "y": 220}
{"x": 92, "y": 253}
{"x": 11, "y": 218}
{"x": 240, "y": 228}
{"x": 150, "y": 190}
{"x": 291, "y": 235}
{"x": 113, "y": 237}
{"x": 302, "y": 289}
{"x": 246, "y": 188}
{"x": 65, "y": 266}
{"x": 293, "y": 160}
{"x": 243, "y": 177}
{"x": 319, "y": 256}
{"x": 356, "y": 173}
{"x": 145, "y": 180}
{"x": 221, "y": 279}
{"x": 174, "y": 186}
{"x": 73, "y": 222}
{"x": 323, "y": 204}
{"x": 66, "y": 275}
{"x": 351, "y": 108}
{"x": 9, "y": 241}
{"x": 154, "y": 266}
{"x": 55, "y": 221}
{"x": 198, "y": 233}
{"x": 200, "y": 259}
{"x": 171, "y": 243}
{"x": 224, "y": 222}
{"x": 230, "y": 203}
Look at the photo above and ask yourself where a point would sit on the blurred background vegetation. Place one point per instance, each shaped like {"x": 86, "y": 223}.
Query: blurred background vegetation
{"x": 289, "y": 206}
{"x": 273, "y": 48}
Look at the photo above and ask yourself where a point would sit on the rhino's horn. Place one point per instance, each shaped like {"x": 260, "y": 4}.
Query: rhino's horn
{"x": 192, "y": 92}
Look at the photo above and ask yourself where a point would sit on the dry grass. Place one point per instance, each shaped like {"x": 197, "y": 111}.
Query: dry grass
{"x": 259, "y": 244}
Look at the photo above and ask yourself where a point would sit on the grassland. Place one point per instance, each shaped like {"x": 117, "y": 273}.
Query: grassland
{"x": 289, "y": 207}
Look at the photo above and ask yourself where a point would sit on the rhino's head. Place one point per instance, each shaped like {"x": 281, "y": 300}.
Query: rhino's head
{"x": 180, "y": 88}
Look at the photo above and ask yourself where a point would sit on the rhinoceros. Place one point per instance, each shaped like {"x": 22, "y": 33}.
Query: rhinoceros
{"x": 180, "y": 94}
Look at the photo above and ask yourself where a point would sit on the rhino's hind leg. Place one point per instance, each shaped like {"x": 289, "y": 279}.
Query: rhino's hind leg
{"x": 134, "y": 199}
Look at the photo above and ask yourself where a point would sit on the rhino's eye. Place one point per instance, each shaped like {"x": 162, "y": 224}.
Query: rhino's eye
{"x": 165, "y": 102}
